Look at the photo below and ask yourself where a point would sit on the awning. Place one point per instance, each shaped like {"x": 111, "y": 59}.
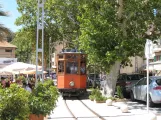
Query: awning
{"x": 144, "y": 67}
{"x": 156, "y": 65}
{"x": 151, "y": 67}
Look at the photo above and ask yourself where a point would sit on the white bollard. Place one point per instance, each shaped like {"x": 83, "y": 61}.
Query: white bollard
{"x": 124, "y": 108}
{"x": 151, "y": 116}
{"x": 109, "y": 102}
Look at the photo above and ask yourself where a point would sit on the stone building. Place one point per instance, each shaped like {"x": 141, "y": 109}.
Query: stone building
{"x": 7, "y": 53}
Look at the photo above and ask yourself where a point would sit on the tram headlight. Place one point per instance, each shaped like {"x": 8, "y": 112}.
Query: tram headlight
{"x": 71, "y": 83}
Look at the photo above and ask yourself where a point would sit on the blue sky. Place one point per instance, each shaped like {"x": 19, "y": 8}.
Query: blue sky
{"x": 11, "y": 7}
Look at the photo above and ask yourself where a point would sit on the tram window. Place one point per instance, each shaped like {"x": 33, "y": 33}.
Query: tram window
{"x": 72, "y": 67}
{"x": 83, "y": 68}
{"x": 60, "y": 56}
{"x": 83, "y": 57}
{"x": 61, "y": 66}
{"x": 74, "y": 57}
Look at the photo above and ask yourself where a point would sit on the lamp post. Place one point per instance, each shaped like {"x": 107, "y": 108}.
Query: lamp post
{"x": 40, "y": 29}
{"x": 49, "y": 55}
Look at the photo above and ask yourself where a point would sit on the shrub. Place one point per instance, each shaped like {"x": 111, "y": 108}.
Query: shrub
{"x": 95, "y": 92}
{"x": 43, "y": 98}
{"x": 120, "y": 92}
{"x": 14, "y": 103}
{"x": 97, "y": 95}
{"x": 91, "y": 97}
{"x": 112, "y": 98}
{"x": 100, "y": 98}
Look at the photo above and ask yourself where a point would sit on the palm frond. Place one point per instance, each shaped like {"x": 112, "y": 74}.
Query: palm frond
{"x": 2, "y": 13}
{"x": 4, "y": 32}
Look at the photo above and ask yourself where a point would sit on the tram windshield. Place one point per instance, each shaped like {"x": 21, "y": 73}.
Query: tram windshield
{"x": 72, "y": 67}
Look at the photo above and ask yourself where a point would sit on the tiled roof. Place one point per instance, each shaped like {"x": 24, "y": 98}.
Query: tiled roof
{"x": 6, "y": 44}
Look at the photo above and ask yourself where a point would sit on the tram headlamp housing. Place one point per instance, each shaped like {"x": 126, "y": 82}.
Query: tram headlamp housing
{"x": 71, "y": 83}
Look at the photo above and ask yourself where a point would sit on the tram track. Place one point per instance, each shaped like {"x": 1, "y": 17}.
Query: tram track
{"x": 75, "y": 117}
{"x": 101, "y": 118}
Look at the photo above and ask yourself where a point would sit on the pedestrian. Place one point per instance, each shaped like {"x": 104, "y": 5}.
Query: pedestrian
{"x": 26, "y": 87}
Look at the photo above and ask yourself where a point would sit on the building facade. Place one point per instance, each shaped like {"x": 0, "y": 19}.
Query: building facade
{"x": 137, "y": 63}
{"x": 7, "y": 54}
{"x": 154, "y": 62}
{"x": 58, "y": 48}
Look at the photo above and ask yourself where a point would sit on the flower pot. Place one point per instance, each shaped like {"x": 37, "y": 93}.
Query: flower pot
{"x": 120, "y": 100}
{"x": 100, "y": 101}
{"x": 36, "y": 117}
{"x": 92, "y": 99}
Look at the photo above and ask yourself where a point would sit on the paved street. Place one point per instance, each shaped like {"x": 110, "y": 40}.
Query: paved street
{"x": 137, "y": 110}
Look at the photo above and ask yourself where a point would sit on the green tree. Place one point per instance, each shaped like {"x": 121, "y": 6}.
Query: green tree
{"x": 109, "y": 31}
{"x": 60, "y": 20}
{"x": 112, "y": 31}
{"x": 23, "y": 40}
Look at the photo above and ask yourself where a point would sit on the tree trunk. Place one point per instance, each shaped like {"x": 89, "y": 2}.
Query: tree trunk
{"x": 111, "y": 78}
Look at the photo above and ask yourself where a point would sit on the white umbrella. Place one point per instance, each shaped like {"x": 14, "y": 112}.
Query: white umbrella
{"x": 5, "y": 73}
{"x": 18, "y": 67}
{"x": 31, "y": 72}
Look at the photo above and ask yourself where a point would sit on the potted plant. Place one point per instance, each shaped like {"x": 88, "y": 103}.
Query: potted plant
{"x": 120, "y": 94}
{"x": 14, "y": 103}
{"x": 100, "y": 99}
{"x": 91, "y": 97}
{"x": 97, "y": 96}
{"x": 42, "y": 100}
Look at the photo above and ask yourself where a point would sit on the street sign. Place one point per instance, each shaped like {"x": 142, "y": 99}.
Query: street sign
{"x": 149, "y": 49}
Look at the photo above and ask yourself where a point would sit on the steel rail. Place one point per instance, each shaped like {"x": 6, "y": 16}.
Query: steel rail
{"x": 101, "y": 118}
{"x": 74, "y": 117}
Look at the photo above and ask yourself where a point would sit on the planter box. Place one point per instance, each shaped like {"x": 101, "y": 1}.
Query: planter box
{"x": 36, "y": 117}
{"x": 91, "y": 99}
{"x": 120, "y": 100}
{"x": 100, "y": 101}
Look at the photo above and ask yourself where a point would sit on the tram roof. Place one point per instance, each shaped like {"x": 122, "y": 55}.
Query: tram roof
{"x": 69, "y": 51}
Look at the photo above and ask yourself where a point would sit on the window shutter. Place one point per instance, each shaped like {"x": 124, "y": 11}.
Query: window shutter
{"x": 154, "y": 58}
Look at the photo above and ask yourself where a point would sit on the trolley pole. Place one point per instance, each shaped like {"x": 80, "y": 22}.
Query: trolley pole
{"x": 40, "y": 49}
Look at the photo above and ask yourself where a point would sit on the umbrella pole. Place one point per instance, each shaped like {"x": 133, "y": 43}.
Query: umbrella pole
{"x": 27, "y": 78}
{"x": 14, "y": 78}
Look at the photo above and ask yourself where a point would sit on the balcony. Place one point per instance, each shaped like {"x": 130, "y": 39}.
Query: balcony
{"x": 157, "y": 48}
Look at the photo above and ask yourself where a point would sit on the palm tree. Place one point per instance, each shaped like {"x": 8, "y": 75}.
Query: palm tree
{"x": 4, "y": 32}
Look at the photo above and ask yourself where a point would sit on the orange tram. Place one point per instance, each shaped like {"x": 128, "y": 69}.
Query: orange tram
{"x": 71, "y": 73}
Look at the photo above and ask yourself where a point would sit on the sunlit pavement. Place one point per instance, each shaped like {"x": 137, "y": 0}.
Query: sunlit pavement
{"x": 137, "y": 111}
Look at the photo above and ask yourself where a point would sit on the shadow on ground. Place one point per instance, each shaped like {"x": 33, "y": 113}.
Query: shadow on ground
{"x": 142, "y": 105}
{"x": 83, "y": 96}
